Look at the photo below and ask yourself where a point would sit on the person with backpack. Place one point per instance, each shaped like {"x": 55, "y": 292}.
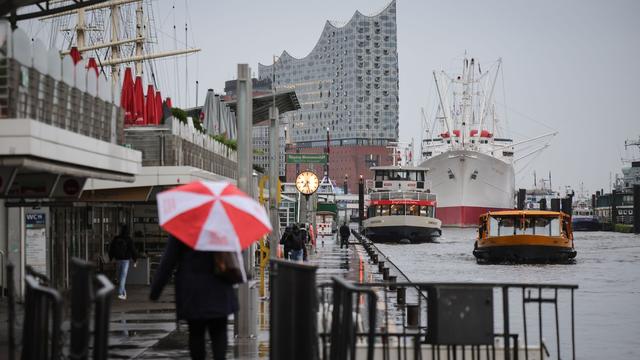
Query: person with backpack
{"x": 296, "y": 244}
{"x": 284, "y": 240}
{"x": 123, "y": 251}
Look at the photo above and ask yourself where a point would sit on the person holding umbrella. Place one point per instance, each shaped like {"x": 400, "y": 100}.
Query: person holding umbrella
{"x": 203, "y": 218}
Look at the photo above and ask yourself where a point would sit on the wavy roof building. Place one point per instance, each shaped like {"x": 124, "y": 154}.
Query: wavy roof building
{"x": 348, "y": 84}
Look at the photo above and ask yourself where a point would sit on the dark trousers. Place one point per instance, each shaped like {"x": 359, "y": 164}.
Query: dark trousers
{"x": 344, "y": 240}
{"x": 217, "y": 332}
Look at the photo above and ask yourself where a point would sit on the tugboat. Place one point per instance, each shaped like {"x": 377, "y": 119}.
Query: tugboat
{"x": 401, "y": 206}
{"x": 525, "y": 236}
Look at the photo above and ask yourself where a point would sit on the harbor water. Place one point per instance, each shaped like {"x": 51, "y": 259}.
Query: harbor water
{"x": 607, "y": 270}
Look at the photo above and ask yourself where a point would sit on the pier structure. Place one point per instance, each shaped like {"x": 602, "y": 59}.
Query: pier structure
{"x": 60, "y": 124}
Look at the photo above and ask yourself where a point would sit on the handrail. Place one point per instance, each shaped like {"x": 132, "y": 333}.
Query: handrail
{"x": 3, "y": 283}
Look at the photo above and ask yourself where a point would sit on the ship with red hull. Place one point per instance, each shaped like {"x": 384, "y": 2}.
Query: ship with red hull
{"x": 469, "y": 159}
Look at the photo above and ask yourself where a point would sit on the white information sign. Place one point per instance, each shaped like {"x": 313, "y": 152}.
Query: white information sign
{"x": 36, "y": 249}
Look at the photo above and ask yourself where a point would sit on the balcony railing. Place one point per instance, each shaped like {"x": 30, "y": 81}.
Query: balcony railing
{"x": 36, "y": 84}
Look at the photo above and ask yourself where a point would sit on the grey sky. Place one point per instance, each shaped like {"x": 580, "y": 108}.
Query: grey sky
{"x": 573, "y": 66}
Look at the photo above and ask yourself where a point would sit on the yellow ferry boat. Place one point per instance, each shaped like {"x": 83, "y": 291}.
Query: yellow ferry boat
{"x": 529, "y": 236}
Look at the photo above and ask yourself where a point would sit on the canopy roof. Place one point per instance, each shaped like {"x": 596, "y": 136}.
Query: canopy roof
{"x": 286, "y": 100}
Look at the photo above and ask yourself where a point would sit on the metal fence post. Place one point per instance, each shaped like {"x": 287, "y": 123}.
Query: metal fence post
{"x": 101, "y": 319}
{"x": 293, "y": 332}
{"x": 81, "y": 299}
{"x": 12, "y": 311}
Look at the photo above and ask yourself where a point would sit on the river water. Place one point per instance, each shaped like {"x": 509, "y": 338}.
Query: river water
{"x": 607, "y": 271}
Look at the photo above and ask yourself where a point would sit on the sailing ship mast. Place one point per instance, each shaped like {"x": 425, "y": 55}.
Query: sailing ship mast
{"x": 114, "y": 58}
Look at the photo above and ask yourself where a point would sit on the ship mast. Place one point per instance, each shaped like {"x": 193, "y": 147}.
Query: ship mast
{"x": 114, "y": 58}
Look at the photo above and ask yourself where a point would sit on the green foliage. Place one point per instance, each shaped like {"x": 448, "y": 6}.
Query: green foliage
{"x": 623, "y": 228}
{"x": 232, "y": 144}
{"x": 197, "y": 124}
{"x": 179, "y": 114}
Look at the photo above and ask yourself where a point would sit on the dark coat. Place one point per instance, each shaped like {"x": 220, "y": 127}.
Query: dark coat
{"x": 122, "y": 248}
{"x": 345, "y": 232}
{"x": 199, "y": 293}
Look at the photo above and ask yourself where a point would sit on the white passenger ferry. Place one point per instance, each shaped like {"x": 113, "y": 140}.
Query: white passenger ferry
{"x": 401, "y": 206}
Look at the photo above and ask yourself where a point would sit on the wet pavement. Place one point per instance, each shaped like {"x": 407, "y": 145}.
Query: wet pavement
{"x": 144, "y": 329}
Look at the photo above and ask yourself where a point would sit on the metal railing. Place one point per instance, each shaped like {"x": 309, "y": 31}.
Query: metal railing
{"x": 3, "y": 282}
{"x": 413, "y": 323}
{"x": 455, "y": 321}
{"x": 42, "y": 332}
{"x": 43, "y": 336}
{"x": 402, "y": 195}
{"x": 25, "y": 93}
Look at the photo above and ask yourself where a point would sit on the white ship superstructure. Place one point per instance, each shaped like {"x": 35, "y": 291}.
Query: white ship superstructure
{"x": 470, "y": 160}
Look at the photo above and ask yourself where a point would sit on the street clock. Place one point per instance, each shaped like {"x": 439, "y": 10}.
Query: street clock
{"x": 307, "y": 182}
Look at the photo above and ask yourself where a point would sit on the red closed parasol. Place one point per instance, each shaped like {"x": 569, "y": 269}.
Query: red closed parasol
{"x": 151, "y": 106}
{"x": 126, "y": 97}
{"x": 159, "y": 112}
{"x": 138, "y": 102}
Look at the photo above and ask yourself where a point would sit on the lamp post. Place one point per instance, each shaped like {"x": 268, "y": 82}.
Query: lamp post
{"x": 345, "y": 184}
{"x": 360, "y": 201}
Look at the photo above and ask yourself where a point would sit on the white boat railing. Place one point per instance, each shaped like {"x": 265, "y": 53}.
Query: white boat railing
{"x": 402, "y": 195}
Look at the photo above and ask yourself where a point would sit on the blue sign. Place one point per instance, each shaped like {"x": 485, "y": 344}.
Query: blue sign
{"x": 35, "y": 219}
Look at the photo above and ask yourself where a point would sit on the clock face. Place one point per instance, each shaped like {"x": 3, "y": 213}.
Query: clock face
{"x": 307, "y": 182}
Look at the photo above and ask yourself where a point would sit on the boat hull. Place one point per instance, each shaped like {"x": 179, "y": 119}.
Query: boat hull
{"x": 524, "y": 254}
{"x": 402, "y": 229}
{"x": 469, "y": 183}
{"x": 588, "y": 224}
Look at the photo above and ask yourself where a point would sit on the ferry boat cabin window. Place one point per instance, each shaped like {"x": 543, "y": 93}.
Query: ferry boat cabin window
{"x": 397, "y": 209}
{"x": 555, "y": 227}
{"x": 506, "y": 226}
{"x": 413, "y": 210}
{"x": 384, "y": 210}
{"x": 493, "y": 227}
{"x": 542, "y": 226}
{"x": 524, "y": 226}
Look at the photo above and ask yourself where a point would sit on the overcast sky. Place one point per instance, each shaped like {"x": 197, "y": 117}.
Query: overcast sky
{"x": 570, "y": 66}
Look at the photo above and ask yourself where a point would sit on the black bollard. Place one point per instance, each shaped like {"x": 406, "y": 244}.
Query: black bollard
{"x": 380, "y": 266}
{"x": 11, "y": 312}
{"x": 413, "y": 316}
{"x": 614, "y": 209}
{"x": 522, "y": 196}
{"x": 385, "y": 273}
{"x": 81, "y": 297}
{"x": 401, "y": 295}
{"x": 392, "y": 280}
{"x": 636, "y": 209}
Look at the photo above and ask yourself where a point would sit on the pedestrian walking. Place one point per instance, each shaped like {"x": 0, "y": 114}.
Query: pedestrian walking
{"x": 284, "y": 240}
{"x": 209, "y": 224}
{"x": 202, "y": 298}
{"x": 296, "y": 244}
{"x": 345, "y": 232}
{"x": 123, "y": 251}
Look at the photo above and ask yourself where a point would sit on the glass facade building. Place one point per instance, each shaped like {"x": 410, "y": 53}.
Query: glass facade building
{"x": 348, "y": 83}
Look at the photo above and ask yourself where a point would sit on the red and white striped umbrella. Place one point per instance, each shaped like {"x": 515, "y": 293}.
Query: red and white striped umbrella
{"x": 212, "y": 216}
